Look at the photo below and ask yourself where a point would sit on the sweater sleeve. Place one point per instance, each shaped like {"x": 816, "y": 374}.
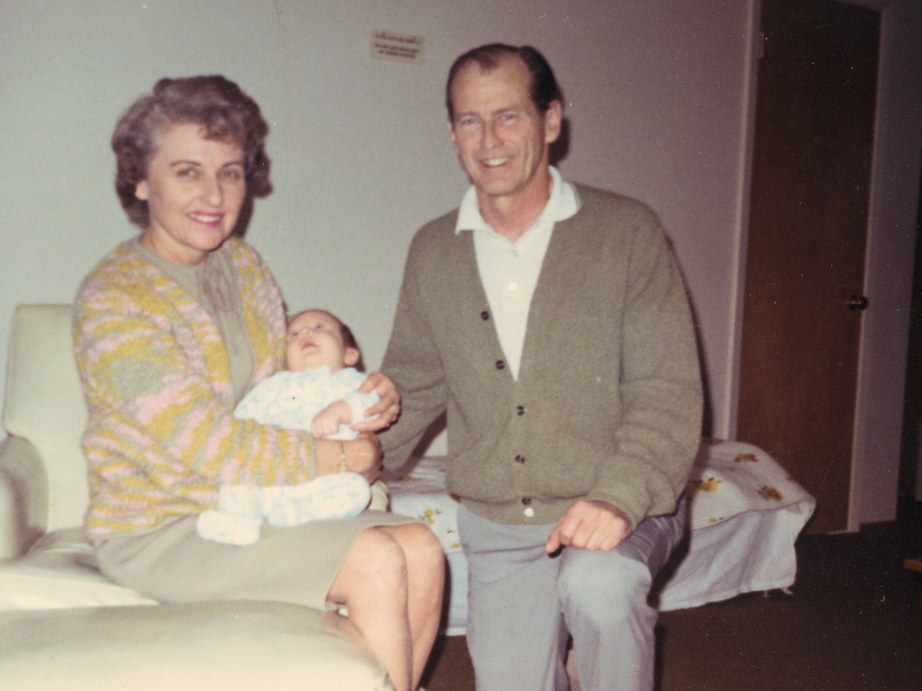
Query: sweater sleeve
{"x": 412, "y": 361}
{"x": 658, "y": 429}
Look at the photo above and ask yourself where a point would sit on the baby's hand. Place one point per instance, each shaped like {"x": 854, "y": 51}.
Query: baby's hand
{"x": 328, "y": 420}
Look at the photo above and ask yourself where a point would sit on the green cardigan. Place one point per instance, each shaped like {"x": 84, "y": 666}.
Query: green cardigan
{"x": 608, "y": 400}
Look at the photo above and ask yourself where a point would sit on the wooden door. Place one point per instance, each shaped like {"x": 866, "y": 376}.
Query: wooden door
{"x": 807, "y": 235}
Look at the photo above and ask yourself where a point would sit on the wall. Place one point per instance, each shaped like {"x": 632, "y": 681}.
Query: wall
{"x": 658, "y": 99}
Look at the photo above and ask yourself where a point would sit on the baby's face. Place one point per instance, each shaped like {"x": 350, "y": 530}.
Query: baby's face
{"x": 315, "y": 338}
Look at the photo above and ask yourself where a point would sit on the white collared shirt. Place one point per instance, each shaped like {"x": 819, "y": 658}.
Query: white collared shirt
{"x": 509, "y": 270}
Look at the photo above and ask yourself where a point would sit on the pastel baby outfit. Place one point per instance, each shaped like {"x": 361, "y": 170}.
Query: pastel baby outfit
{"x": 242, "y": 508}
{"x": 291, "y": 400}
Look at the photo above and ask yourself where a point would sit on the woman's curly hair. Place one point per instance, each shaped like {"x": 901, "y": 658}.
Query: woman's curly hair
{"x": 222, "y": 109}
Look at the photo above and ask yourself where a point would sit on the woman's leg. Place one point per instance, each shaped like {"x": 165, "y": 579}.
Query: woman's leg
{"x": 425, "y": 587}
{"x": 391, "y": 583}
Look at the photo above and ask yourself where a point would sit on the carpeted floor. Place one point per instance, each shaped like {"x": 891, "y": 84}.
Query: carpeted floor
{"x": 854, "y": 621}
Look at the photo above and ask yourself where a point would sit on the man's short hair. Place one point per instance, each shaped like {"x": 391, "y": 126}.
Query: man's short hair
{"x": 543, "y": 88}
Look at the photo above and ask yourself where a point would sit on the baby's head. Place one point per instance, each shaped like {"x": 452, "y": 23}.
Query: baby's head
{"x": 316, "y": 338}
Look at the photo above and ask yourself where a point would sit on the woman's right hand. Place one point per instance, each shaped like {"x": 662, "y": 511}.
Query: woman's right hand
{"x": 362, "y": 455}
{"x": 368, "y": 457}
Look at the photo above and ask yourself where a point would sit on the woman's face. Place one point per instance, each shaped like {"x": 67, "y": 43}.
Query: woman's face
{"x": 194, "y": 190}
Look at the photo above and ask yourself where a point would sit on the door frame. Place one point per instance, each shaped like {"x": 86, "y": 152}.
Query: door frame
{"x": 895, "y": 172}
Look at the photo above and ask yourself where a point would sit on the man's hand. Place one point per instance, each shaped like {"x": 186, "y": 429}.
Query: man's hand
{"x": 595, "y": 525}
{"x": 385, "y": 411}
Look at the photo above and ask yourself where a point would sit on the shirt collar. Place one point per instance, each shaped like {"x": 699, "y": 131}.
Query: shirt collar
{"x": 562, "y": 204}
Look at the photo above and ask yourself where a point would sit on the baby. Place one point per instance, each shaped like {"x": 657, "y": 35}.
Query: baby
{"x": 318, "y": 392}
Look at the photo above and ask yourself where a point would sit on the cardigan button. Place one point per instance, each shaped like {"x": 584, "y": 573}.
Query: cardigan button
{"x": 485, "y": 315}
{"x": 520, "y": 410}
{"x": 519, "y": 458}
{"x": 500, "y": 365}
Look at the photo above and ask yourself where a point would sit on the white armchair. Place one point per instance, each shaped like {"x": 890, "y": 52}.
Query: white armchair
{"x": 65, "y": 625}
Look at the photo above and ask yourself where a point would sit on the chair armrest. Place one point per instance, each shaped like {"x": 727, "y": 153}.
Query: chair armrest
{"x": 23, "y": 496}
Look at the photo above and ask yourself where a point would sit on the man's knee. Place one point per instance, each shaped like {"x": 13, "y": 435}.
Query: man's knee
{"x": 605, "y": 585}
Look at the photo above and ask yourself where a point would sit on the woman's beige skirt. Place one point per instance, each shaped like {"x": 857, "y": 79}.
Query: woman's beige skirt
{"x": 297, "y": 565}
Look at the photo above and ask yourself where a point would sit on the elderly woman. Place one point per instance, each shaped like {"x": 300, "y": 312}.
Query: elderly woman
{"x": 171, "y": 329}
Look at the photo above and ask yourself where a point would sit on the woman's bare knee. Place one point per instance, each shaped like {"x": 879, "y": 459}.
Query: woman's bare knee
{"x": 419, "y": 544}
{"x": 375, "y": 566}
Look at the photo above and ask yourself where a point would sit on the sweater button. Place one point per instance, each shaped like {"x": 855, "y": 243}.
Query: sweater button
{"x": 485, "y": 315}
{"x": 500, "y": 365}
{"x": 519, "y": 458}
{"x": 529, "y": 509}
{"x": 520, "y": 410}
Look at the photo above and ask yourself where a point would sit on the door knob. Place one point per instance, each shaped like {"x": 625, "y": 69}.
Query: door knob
{"x": 857, "y": 303}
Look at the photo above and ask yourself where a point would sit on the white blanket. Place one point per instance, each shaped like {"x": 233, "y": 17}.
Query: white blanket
{"x": 731, "y": 478}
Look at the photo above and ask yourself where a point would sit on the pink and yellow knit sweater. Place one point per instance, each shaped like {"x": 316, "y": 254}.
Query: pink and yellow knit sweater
{"x": 161, "y": 435}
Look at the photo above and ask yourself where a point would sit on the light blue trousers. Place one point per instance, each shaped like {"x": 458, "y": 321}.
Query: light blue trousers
{"x": 523, "y": 605}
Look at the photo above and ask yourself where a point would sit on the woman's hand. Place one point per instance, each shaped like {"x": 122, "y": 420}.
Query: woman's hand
{"x": 385, "y": 412}
{"x": 362, "y": 455}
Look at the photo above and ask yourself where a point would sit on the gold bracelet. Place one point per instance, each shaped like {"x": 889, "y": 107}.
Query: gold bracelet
{"x": 342, "y": 457}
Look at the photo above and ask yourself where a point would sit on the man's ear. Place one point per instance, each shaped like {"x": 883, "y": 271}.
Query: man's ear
{"x": 553, "y": 121}
{"x": 451, "y": 133}
{"x": 351, "y": 356}
{"x": 141, "y": 191}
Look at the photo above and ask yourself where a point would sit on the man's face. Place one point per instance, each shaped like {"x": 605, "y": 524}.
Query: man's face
{"x": 500, "y": 137}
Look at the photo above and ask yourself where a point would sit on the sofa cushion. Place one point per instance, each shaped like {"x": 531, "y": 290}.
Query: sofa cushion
{"x": 60, "y": 571}
{"x": 211, "y": 645}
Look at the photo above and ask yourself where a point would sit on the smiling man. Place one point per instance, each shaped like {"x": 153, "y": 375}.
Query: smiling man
{"x": 551, "y": 322}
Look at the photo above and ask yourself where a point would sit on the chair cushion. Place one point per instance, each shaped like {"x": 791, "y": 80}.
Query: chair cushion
{"x": 60, "y": 571}
{"x": 209, "y": 645}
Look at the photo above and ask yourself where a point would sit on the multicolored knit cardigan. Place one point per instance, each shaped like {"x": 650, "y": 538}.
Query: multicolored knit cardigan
{"x": 161, "y": 435}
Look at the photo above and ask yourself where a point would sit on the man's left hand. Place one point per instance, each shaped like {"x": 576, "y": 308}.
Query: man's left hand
{"x": 594, "y": 525}
{"x": 386, "y": 410}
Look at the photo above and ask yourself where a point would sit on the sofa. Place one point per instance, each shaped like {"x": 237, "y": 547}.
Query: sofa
{"x": 65, "y": 625}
